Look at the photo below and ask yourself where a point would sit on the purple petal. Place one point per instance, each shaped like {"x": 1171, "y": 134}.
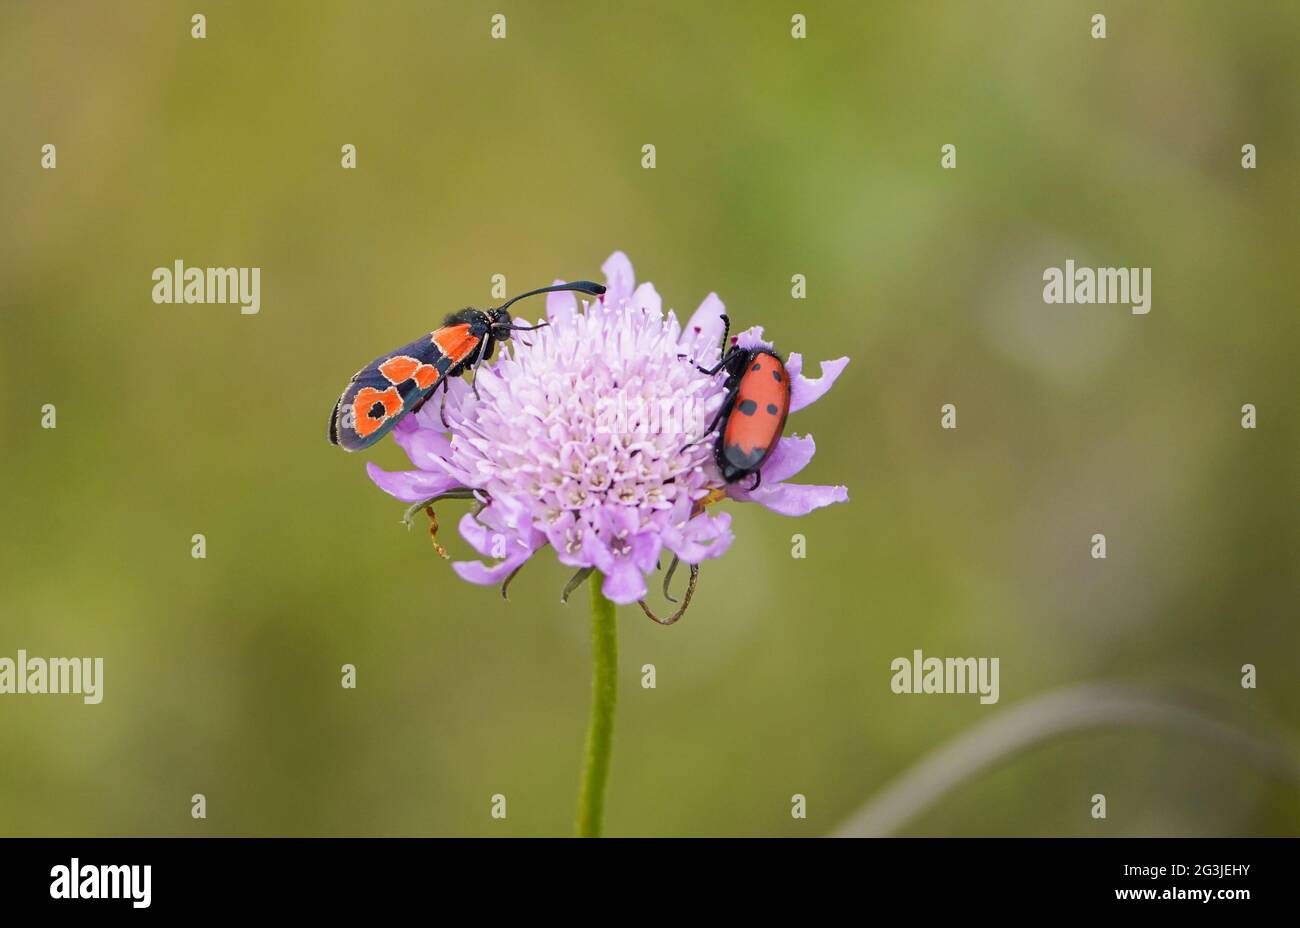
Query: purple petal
{"x": 488, "y": 535}
{"x": 613, "y": 518}
{"x": 705, "y": 325}
{"x": 411, "y": 486}
{"x": 804, "y": 392}
{"x": 596, "y": 552}
{"x": 792, "y": 455}
{"x": 558, "y": 536}
{"x": 704, "y": 537}
{"x": 560, "y": 305}
{"x": 794, "y": 499}
{"x": 753, "y": 338}
{"x": 625, "y": 584}
{"x": 426, "y": 448}
{"x": 480, "y": 537}
{"x": 647, "y": 297}
{"x": 645, "y": 550}
{"x": 507, "y": 514}
{"x": 619, "y": 279}
{"x": 478, "y": 572}
{"x": 680, "y": 511}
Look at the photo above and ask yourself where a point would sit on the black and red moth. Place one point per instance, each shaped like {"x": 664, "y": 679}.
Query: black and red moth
{"x": 400, "y": 381}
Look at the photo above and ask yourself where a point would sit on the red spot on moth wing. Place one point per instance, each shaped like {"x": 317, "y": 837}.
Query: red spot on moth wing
{"x": 372, "y": 408}
{"x": 455, "y": 341}
{"x": 426, "y": 375}
{"x": 401, "y": 368}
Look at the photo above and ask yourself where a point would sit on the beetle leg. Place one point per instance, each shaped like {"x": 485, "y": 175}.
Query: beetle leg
{"x": 722, "y": 410}
{"x": 726, "y": 359}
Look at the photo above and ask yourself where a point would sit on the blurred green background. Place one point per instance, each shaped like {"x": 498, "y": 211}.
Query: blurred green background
{"x": 522, "y": 157}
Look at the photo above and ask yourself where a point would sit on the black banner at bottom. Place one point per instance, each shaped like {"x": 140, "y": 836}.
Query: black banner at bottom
{"x": 178, "y": 876}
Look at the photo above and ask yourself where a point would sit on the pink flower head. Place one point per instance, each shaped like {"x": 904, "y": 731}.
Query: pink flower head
{"x": 587, "y": 437}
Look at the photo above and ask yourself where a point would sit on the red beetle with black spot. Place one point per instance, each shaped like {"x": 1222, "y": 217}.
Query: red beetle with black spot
{"x": 754, "y": 411}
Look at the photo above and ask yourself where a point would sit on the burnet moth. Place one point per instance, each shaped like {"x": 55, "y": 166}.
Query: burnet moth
{"x": 400, "y": 381}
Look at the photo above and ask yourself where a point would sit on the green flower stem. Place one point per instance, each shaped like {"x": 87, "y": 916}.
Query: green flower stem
{"x": 600, "y": 728}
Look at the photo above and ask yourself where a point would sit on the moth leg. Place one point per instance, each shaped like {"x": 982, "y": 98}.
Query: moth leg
{"x": 442, "y": 407}
{"x": 433, "y": 533}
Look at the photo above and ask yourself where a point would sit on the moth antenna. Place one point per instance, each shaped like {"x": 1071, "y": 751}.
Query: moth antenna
{"x": 582, "y": 286}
